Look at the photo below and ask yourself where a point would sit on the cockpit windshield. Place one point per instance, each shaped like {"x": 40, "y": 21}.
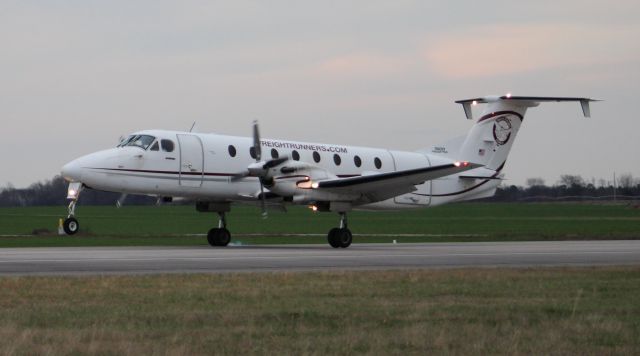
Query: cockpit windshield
{"x": 142, "y": 141}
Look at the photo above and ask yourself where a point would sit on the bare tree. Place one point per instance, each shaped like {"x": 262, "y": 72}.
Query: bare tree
{"x": 625, "y": 181}
{"x": 571, "y": 180}
{"x": 602, "y": 183}
{"x": 533, "y": 182}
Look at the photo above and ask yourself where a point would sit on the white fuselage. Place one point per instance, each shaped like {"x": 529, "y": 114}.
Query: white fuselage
{"x": 201, "y": 166}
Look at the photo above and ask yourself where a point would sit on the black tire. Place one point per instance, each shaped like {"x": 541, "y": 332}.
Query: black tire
{"x": 211, "y": 237}
{"x": 345, "y": 238}
{"x": 219, "y": 237}
{"x": 333, "y": 237}
{"x": 71, "y": 226}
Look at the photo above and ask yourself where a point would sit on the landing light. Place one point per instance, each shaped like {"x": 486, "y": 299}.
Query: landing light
{"x": 74, "y": 190}
{"x": 313, "y": 207}
{"x": 475, "y": 102}
{"x": 305, "y": 184}
{"x": 508, "y": 95}
{"x": 461, "y": 164}
{"x": 315, "y": 185}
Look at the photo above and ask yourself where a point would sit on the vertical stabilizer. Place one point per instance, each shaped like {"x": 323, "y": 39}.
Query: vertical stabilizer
{"x": 489, "y": 141}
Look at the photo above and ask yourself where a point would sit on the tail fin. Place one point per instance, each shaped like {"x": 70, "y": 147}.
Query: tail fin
{"x": 490, "y": 139}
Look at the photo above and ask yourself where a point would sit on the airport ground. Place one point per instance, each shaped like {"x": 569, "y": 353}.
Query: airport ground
{"x": 464, "y": 310}
{"x": 183, "y": 226}
{"x": 568, "y": 311}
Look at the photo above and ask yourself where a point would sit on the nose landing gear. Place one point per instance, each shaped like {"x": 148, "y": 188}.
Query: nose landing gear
{"x": 71, "y": 224}
{"x": 340, "y": 236}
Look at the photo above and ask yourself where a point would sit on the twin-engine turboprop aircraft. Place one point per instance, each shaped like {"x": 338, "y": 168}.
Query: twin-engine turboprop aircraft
{"x": 216, "y": 170}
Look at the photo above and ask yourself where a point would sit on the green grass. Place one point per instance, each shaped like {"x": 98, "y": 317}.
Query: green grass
{"x": 578, "y": 311}
{"x": 172, "y": 225}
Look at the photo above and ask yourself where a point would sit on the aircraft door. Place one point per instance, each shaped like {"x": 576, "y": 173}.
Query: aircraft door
{"x": 191, "y": 160}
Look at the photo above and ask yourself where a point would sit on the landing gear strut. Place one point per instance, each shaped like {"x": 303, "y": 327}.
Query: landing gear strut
{"x": 71, "y": 224}
{"x": 340, "y": 236}
{"x": 219, "y": 236}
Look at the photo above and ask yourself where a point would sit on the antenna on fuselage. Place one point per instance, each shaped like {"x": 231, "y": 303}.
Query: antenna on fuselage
{"x": 192, "y": 126}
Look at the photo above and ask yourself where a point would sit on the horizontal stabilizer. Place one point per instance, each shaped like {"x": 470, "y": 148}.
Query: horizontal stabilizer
{"x": 526, "y": 101}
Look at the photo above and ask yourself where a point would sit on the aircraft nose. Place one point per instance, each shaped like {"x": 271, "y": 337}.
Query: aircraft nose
{"x": 72, "y": 171}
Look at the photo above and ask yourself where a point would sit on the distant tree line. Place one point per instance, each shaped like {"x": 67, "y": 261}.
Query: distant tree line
{"x": 54, "y": 192}
{"x": 569, "y": 188}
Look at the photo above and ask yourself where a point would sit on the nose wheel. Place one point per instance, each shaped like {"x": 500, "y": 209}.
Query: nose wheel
{"x": 71, "y": 225}
{"x": 340, "y": 237}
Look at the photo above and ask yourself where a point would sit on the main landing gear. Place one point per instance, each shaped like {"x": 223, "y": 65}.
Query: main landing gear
{"x": 340, "y": 236}
{"x": 71, "y": 225}
{"x": 219, "y": 236}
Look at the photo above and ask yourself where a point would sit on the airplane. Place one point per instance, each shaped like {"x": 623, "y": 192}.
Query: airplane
{"x": 216, "y": 170}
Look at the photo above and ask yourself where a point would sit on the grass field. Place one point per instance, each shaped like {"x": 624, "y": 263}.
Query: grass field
{"x": 173, "y": 225}
{"x": 577, "y": 311}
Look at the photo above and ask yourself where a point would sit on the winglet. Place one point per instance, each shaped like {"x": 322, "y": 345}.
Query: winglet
{"x": 467, "y": 110}
{"x": 586, "y": 110}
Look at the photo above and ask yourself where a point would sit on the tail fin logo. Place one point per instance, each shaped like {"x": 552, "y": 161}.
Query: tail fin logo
{"x": 502, "y": 130}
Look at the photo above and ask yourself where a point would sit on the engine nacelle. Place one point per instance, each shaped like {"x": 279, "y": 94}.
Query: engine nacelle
{"x": 296, "y": 179}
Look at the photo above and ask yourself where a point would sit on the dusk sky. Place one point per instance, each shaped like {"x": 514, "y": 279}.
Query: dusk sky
{"x": 76, "y": 75}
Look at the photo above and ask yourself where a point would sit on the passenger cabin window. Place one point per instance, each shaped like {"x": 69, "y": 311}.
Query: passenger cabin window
{"x": 336, "y": 159}
{"x": 357, "y": 161}
{"x": 155, "y": 146}
{"x": 232, "y": 151}
{"x": 252, "y": 152}
{"x": 274, "y": 153}
{"x": 167, "y": 145}
{"x": 142, "y": 141}
{"x": 295, "y": 155}
{"x": 316, "y": 156}
{"x": 377, "y": 162}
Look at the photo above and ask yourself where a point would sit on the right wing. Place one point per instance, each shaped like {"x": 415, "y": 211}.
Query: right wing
{"x": 382, "y": 186}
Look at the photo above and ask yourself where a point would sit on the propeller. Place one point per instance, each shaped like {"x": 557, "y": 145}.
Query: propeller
{"x": 257, "y": 148}
{"x": 260, "y": 168}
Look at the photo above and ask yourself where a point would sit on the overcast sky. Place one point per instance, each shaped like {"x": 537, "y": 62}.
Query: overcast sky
{"x": 76, "y": 75}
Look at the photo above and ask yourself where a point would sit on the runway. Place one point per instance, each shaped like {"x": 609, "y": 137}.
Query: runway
{"x": 137, "y": 260}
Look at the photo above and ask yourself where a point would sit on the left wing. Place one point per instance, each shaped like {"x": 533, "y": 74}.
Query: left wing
{"x": 378, "y": 187}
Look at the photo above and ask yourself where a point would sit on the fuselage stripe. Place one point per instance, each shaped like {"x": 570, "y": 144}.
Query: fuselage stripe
{"x": 189, "y": 173}
{"x": 468, "y": 189}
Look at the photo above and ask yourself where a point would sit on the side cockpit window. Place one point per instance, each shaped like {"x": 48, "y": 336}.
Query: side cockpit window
{"x": 124, "y": 141}
{"x": 167, "y": 145}
{"x": 155, "y": 146}
{"x": 142, "y": 141}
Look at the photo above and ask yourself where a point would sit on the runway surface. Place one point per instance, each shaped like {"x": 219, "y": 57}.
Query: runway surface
{"x": 135, "y": 260}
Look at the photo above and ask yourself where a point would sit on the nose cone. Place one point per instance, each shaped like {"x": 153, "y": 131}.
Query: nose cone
{"x": 72, "y": 171}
